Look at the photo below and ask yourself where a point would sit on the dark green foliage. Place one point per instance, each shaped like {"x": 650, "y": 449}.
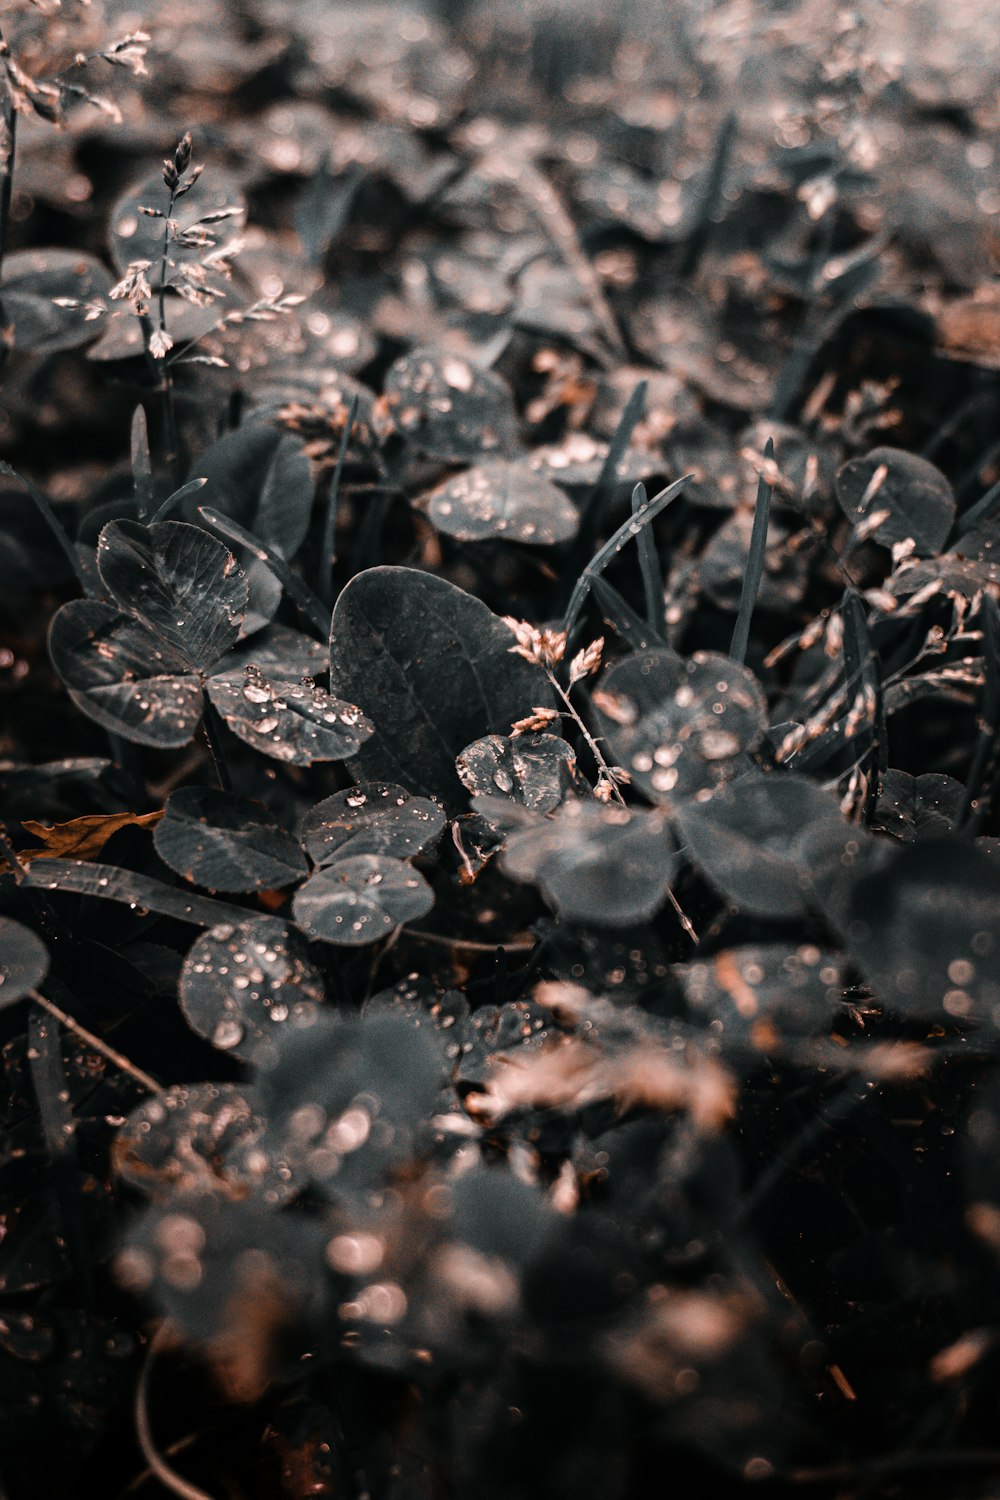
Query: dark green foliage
{"x": 500, "y": 859}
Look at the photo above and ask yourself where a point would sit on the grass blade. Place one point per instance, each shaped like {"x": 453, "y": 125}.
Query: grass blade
{"x": 295, "y": 587}
{"x": 978, "y": 512}
{"x": 620, "y": 615}
{"x": 755, "y": 564}
{"x": 85, "y": 878}
{"x": 326, "y": 556}
{"x": 172, "y": 501}
{"x": 48, "y": 515}
{"x": 590, "y": 511}
{"x": 142, "y": 468}
{"x": 626, "y": 531}
{"x": 702, "y": 231}
{"x": 976, "y": 802}
{"x": 649, "y": 563}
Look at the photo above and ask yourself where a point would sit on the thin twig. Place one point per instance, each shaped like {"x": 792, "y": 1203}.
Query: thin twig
{"x": 118, "y": 1058}
{"x": 164, "y": 1473}
{"x": 468, "y": 943}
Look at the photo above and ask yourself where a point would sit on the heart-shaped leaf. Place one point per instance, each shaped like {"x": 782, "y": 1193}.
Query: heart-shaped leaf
{"x": 448, "y": 409}
{"x": 227, "y": 843}
{"x": 680, "y": 726}
{"x": 376, "y": 818}
{"x": 919, "y": 500}
{"x": 536, "y": 770}
{"x": 752, "y": 839}
{"x": 431, "y": 667}
{"x": 608, "y": 866}
{"x": 295, "y": 722}
{"x": 243, "y": 982}
{"x": 360, "y": 899}
{"x": 502, "y": 498}
{"x": 123, "y": 675}
{"x": 179, "y": 581}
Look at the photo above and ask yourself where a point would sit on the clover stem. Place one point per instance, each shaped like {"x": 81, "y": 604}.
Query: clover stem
{"x": 118, "y": 1058}
{"x": 608, "y": 779}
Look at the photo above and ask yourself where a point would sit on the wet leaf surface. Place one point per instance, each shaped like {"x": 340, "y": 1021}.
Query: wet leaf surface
{"x": 361, "y": 898}
{"x": 24, "y": 961}
{"x": 374, "y": 818}
{"x": 432, "y": 668}
{"x": 295, "y": 722}
{"x": 227, "y": 843}
{"x": 680, "y": 727}
{"x": 242, "y": 982}
{"x": 502, "y": 499}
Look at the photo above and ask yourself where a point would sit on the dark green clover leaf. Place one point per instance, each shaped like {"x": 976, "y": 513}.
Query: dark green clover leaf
{"x": 227, "y": 843}
{"x": 24, "y": 961}
{"x": 243, "y": 983}
{"x": 376, "y": 818}
{"x": 680, "y": 726}
{"x": 431, "y": 667}
{"x": 360, "y": 899}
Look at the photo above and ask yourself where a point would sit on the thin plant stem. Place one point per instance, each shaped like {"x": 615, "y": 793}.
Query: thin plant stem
{"x": 118, "y": 1058}
{"x": 166, "y": 377}
{"x": 143, "y": 1428}
{"x": 607, "y": 778}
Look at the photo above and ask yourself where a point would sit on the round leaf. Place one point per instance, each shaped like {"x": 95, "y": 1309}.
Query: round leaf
{"x": 504, "y": 499}
{"x": 925, "y": 930}
{"x": 226, "y": 843}
{"x": 604, "y": 865}
{"x": 752, "y": 839}
{"x": 292, "y": 722}
{"x": 24, "y": 961}
{"x": 361, "y": 899}
{"x": 376, "y": 818}
{"x": 243, "y": 982}
{"x": 755, "y": 991}
{"x": 34, "y": 279}
{"x": 919, "y": 499}
{"x": 680, "y": 726}
{"x": 432, "y": 668}
{"x": 199, "y": 1138}
{"x": 449, "y": 409}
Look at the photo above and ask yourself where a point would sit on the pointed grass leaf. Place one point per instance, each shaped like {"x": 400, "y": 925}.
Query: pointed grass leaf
{"x": 24, "y": 961}
{"x": 505, "y": 499}
{"x": 374, "y": 818}
{"x": 360, "y": 899}
{"x": 606, "y": 866}
{"x": 918, "y": 498}
{"x": 226, "y": 843}
{"x": 294, "y": 722}
{"x": 181, "y": 582}
{"x": 243, "y": 983}
{"x": 432, "y": 668}
{"x": 680, "y": 726}
{"x": 751, "y": 839}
